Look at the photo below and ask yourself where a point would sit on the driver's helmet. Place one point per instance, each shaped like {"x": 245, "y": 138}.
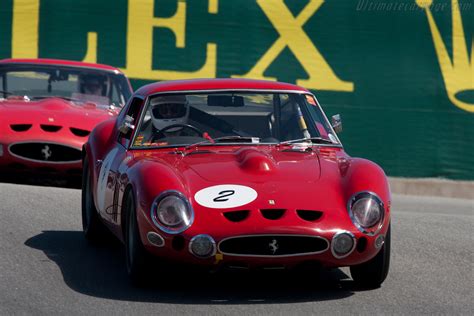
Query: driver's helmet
{"x": 169, "y": 110}
{"x": 92, "y": 84}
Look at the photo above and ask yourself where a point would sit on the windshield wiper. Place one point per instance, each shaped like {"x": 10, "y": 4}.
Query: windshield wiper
{"x": 5, "y": 92}
{"x": 314, "y": 140}
{"x": 55, "y": 96}
{"x": 233, "y": 138}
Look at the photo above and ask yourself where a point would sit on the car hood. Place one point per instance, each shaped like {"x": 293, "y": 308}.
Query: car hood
{"x": 55, "y": 111}
{"x": 262, "y": 168}
{"x": 252, "y": 165}
{"x": 248, "y": 177}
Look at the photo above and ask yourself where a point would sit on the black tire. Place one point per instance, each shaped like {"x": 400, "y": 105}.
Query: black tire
{"x": 136, "y": 257}
{"x": 93, "y": 228}
{"x": 372, "y": 273}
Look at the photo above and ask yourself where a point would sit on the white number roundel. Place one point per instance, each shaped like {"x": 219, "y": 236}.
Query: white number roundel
{"x": 102, "y": 180}
{"x": 225, "y": 196}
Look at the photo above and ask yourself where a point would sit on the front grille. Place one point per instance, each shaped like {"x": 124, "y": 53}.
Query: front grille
{"x": 273, "y": 245}
{"x": 45, "y": 152}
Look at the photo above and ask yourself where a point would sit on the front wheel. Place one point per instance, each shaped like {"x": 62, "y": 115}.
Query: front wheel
{"x": 137, "y": 258}
{"x": 372, "y": 273}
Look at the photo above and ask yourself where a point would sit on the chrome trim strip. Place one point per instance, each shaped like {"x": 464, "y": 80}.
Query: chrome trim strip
{"x": 214, "y": 249}
{"x": 367, "y": 231}
{"x": 154, "y": 205}
{"x": 273, "y": 256}
{"x": 43, "y": 161}
{"x": 231, "y": 144}
{"x": 354, "y": 241}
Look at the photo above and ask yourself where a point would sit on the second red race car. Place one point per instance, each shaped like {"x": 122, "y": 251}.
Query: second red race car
{"x": 234, "y": 173}
{"x": 47, "y": 110}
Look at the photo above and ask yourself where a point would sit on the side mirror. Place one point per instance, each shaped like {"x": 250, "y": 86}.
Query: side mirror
{"x": 126, "y": 125}
{"x": 336, "y": 123}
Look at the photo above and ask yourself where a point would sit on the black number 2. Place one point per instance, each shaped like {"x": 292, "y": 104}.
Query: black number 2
{"x": 223, "y": 194}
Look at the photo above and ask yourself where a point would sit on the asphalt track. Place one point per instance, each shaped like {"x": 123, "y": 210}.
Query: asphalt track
{"x": 46, "y": 267}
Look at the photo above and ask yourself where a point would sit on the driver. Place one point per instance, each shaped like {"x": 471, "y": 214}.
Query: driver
{"x": 169, "y": 110}
{"x": 92, "y": 85}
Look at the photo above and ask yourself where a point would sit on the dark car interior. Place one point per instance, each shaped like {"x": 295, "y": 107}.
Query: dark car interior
{"x": 213, "y": 116}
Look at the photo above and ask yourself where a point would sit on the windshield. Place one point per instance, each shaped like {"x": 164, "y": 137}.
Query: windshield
{"x": 232, "y": 117}
{"x": 77, "y": 84}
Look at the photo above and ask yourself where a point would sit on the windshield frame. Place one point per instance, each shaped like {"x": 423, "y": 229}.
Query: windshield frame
{"x": 209, "y": 91}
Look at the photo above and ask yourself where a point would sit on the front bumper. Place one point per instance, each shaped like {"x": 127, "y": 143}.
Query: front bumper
{"x": 176, "y": 247}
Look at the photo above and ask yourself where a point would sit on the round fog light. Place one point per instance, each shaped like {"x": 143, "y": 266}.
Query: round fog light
{"x": 342, "y": 244}
{"x": 202, "y": 246}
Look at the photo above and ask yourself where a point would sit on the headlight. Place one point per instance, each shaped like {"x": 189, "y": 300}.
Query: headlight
{"x": 172, "y": 212}
{"x": 366, "y": 211}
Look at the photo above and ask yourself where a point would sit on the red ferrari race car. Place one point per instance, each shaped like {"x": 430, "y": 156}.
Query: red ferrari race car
{"x": 47, "y": 110}
{"x": 234, "y": 173}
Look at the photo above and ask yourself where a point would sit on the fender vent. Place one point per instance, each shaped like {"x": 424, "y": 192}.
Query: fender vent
{"x": 20, "y": 127}
{"x": 79, "y": 132}
{"x": 50, "y": 128}
{"x": 272, "y": 214}
{"x": 236, "y": 216}
{"x": 310, "y": 216}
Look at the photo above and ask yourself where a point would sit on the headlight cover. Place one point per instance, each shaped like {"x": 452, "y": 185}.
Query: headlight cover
{"x": 367, "y": 211}
{"x": 171, "y": 212}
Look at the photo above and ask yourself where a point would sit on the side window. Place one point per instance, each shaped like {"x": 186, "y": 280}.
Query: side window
{"x": 131, "y": 119}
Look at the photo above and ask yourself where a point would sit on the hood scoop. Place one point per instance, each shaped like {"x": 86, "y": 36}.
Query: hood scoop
{"x": 255, "y": 161}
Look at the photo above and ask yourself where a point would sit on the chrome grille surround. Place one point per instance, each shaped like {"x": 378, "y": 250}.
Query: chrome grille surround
{"x": 264, "y": 248}
{"x": 38, "y": 151}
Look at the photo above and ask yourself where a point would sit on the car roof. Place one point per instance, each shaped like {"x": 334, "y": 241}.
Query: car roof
{"x": 216, "y": 84}
{"x": 58, "y": 62}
